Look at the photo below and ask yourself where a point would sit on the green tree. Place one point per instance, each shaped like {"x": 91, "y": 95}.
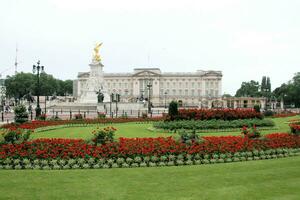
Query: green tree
{"x": 249, "y": 89}
{"x": 265, "y": 87}
{"x": 23, "y": 84}
{"x": 64, "y": 87}
{"x": 48, "y": 85}
{"x": 19, "y": 85}
{"x": 289, "y": 92}
{"x": 173, "y": 110}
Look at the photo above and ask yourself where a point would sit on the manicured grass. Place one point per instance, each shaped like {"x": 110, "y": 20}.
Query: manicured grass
{"x": 123, "y": 130}
{"x": 142, "y": 130}
{"x": 265, "y": 179}
{"x": 281, "y": 126}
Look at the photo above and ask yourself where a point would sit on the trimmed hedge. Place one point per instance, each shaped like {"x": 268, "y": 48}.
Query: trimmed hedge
{"x": 212, "y": 124}
{"x": 146, "y": 161}
{"x": 224, "y": 114}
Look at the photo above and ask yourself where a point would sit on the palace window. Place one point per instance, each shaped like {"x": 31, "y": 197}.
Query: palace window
{"x": 199, "y": 93}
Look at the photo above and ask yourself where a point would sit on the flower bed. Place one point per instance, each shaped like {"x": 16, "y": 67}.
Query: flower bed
{"x": 38, "y": 124}
{"x": 224, "y": 114}
{"x": 144, "y": 152}
{"x": 212, "y": 124}
{"x": 295, "y": 128}
{"x": 280, "y": 115}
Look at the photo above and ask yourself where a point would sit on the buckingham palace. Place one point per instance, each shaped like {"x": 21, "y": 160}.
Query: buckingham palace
{"x": 188, "y": 88}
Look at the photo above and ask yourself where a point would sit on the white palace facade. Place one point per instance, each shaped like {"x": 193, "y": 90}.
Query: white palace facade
{"x": 188, "y": 88}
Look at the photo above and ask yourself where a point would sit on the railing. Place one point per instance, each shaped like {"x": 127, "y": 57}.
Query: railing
{"x": 8, "y": 117}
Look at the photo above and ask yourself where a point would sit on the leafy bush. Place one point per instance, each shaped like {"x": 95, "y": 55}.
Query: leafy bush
{"x": 101, "y": 115}
{"x": 173, "y": 110}
{"x": 224, "y": 114}
{"x": 186, "y": 137}
{"x": 21, "y": 114}
{"x": 15, "y": 136}
{"x": 251, "y": 133}
{"x": 212, "y": 124}
{"x": 256, "y": 108}
{"x": 42, "y": 117}
{"x": 103, "y": 136}
{"x": 78, "y": 116}
{"x": 268, "y": 113}
{"x": 295, "y": 128}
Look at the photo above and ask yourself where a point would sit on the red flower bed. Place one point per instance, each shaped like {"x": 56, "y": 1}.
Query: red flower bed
{"x": 225, "y": 114}
{"x": 295, "y": 128}
{"x": 284, "y": 115}
{"x": 127, "y": 147}
{"x": 37, "y": 124}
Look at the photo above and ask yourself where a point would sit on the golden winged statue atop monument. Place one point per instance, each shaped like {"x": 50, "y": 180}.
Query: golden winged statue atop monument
{"x": 96, "y": 56}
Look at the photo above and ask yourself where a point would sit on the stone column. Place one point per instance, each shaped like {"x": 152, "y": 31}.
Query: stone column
{"x": 234, "y": 104}
{"x": 281, "y": 104}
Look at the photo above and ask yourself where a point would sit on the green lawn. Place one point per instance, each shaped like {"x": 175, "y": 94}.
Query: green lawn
{"x": 265, "y": 179}
{"x": 123, "y": 130}
{"x": 142, "y": 130}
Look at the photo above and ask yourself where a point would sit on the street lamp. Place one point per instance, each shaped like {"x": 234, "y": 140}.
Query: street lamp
{"x": 165, "y": 94}
{"x": 2, "y": 98}
{"x": 37, "y": 68}
{"x": 149, "y": 85}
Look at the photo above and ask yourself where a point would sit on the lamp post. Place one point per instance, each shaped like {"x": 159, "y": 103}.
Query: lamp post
{"x": 149, "y": 85}
{"x": 165, "y": 94}
{"x": 37, "y": 68}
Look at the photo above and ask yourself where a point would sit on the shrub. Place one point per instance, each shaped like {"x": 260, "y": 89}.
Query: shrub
{"x": 295, "y": 128}
{"x": 21, "y": 114}
{"x": 78, "y": 116}
{"x": 251, "y": 133}
{"x": 101, "y": 115}
{"x": 173, "y": 110}
{"x": 15, "y": 136}
{"x": 256, "y": 108}
{"x": 42, "y": 117}
{"x": 224, "y": 114}
{"x": 103, "y": 136}
{"x": 212, "y": 124}
{"x": 186, "y": 137}
{"x": 268, "y": 113}
{"x": 143, "y": 164}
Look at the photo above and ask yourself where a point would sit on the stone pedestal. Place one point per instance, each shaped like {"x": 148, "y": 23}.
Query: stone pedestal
{"x": 94, "y": 85}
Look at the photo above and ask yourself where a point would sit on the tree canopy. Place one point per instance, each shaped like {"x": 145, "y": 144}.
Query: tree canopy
{"x": 290, "y": 92}
{"x": 22, "y": 84}
{"x": 249, "y": 89}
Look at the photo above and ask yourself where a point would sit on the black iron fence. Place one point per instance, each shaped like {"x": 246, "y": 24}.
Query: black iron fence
{"x": 8, "y": 117}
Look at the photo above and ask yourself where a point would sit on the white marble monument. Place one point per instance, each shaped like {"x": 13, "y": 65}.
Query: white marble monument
{"x": 94, "y": 91}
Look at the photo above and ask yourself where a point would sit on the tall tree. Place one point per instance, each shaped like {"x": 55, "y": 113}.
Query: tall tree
{"x": 249, "y": 89}
{"x": 22, "y": 84}
{"x": 263, "y": 84}
{"x": 289, "y": 92}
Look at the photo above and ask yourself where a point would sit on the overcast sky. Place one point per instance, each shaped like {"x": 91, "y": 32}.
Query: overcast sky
{"x": 245, "y": 39}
